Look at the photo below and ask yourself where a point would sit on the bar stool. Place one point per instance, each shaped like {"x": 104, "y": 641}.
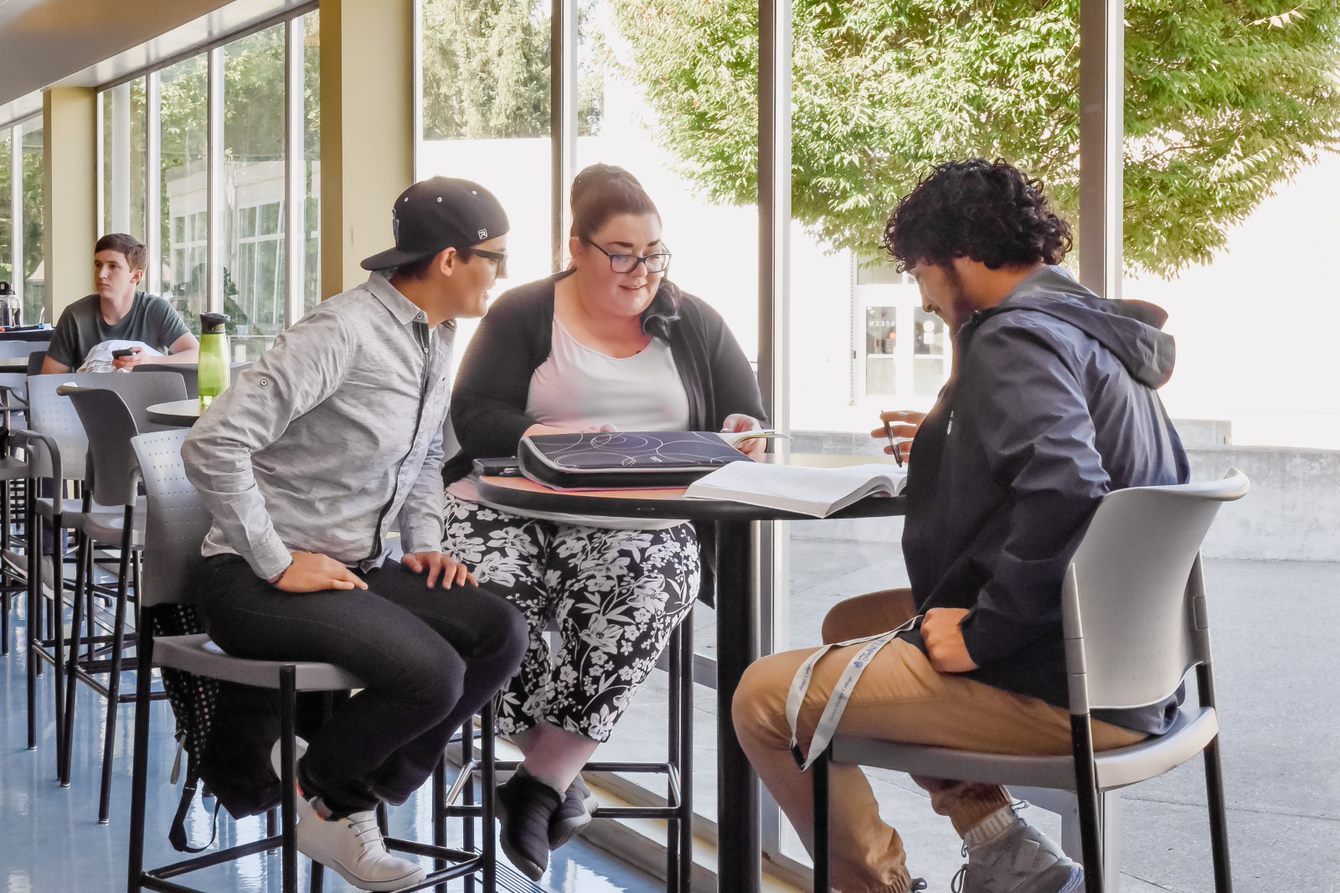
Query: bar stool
{"x": 677, "y": 766}
{"x": 57, "y": 448}
{"x": 111, "y": 482}
{"x": 176, "y": 524}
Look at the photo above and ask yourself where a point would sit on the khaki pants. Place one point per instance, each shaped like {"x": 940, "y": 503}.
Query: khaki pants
{"x": 899, "y": 698}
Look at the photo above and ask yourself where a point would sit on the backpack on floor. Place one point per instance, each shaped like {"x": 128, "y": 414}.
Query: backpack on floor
{"x": 227, "y": 731}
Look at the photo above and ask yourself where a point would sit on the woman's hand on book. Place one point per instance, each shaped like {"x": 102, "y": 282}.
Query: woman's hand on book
{"x": 737, "y": 422}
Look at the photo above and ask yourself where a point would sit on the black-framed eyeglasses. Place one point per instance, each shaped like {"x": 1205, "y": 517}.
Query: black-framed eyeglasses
{"x": 498, "y": 257}
{"x": 658, "y": 262}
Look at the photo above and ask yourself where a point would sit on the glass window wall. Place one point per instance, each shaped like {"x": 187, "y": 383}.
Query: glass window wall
{"x": 33, "y": 201}
{"x": 124, "y": 159}
{"x": 311, "y": 156}
{"x": 485, "y": 107}
{"x": 183, "y": 186}
{"x": 254, "y": 190}
{"x": 6, "y": 206}
{"x": 172, "y": 171}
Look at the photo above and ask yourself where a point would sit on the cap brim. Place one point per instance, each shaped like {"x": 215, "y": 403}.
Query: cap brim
{"x": 392, "y": 257}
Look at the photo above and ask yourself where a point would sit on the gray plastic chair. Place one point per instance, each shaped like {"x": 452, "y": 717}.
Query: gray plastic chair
{"x": 177, "y": 522}
{"x": 57, "y": 449}
{"x": 190, "y": 373}
{"x": 112, "y": 482}
{"x": 11, "y": 349}
{"x": 1136, "y": 622}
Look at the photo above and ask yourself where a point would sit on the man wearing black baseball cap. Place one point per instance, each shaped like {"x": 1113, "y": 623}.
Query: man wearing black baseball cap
{"x": 333, "y": 435}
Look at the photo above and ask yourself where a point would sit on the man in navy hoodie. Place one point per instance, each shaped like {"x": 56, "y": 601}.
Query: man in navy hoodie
{"x": 1051, "y": 404}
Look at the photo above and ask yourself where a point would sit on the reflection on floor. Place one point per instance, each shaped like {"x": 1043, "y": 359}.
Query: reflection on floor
{"x": 52, "y": 842}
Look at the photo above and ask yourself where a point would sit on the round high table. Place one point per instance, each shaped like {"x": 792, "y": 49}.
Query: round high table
{"x": 739, "y": 842}
{"x": 182, "y": 413}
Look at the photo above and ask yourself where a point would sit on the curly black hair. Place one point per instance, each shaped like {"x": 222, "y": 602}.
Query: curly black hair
{"x": 986, "y": 211}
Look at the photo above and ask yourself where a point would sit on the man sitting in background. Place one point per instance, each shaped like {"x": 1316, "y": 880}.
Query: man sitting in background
{"x": 118, "y": 312}
{"x": 1051, "y": 405}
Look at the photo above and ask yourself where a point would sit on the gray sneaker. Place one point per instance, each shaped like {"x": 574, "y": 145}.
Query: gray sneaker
{"x": 1020, "y": 860}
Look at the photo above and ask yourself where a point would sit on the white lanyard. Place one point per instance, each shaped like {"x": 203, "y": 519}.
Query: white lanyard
{"x": 828, "y": 721}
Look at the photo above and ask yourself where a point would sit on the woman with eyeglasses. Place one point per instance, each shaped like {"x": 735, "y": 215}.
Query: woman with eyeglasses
{"x": 608, "y": 344}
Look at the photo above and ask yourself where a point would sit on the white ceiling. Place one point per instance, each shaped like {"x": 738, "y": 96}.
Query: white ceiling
{"x": 91, "y": 42}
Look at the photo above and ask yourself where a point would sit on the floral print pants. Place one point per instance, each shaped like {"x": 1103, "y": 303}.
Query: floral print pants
{"x": 613, "y": 595}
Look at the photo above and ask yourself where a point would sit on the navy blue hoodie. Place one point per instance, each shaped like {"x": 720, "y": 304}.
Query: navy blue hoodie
{"x": 1051, "y": 405}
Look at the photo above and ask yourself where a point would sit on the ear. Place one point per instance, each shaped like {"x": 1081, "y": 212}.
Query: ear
{"x": 136, "y": 277}
{"x": 446, "y": 262}
{"x": 575, "y": 246}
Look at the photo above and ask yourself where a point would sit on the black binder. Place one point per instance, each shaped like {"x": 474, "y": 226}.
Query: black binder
{"x": 612, "y": 459}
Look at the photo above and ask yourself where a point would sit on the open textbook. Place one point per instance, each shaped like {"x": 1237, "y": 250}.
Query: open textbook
{"x": 794, "y": 488}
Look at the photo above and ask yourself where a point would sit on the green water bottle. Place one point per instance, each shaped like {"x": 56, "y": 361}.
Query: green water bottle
{"x": 214, "y": 365}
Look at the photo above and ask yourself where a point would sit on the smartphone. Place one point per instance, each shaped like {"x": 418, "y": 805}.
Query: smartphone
{"x": 504, "y": 466}
{"x": 124, "y": 352}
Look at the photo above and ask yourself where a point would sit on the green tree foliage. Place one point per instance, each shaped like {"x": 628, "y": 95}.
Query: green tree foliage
{"x": 1225, "y": 101}
{"x": 486, "y": 70}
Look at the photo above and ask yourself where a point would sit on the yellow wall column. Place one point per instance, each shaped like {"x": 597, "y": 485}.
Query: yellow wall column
{"x": 69, "y": 154}
{"x": 367, "y": 130}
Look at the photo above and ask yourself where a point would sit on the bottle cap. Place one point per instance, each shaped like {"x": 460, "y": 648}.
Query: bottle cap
{"x": 213, "y": 323}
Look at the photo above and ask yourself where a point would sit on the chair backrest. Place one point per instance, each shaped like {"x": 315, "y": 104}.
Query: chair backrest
{"x": 189, "y": 372}
{"x": 15, "y": 348}
{"x": 1133, "y": 596}
{"x": 17, "y": 384}
{"x": 175, "y": 517}
{"x": 110, "y": 426}
{"x": 55, "y": 416}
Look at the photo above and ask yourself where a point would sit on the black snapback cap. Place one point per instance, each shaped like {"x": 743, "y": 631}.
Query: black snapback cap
{"x": 438, "y": 213}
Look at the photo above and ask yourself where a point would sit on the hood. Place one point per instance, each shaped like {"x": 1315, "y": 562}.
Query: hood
{"x": 1129, "y": 329}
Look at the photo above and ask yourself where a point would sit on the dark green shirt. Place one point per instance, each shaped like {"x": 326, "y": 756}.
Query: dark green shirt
{"x": 151, "y": 320}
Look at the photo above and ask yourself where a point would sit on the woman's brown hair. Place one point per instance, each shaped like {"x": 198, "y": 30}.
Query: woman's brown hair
{"x": 603, "y": 191}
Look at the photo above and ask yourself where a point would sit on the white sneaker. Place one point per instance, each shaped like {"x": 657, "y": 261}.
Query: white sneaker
{"x": 1020, "y": 859}
{"x": 352, "y": 845}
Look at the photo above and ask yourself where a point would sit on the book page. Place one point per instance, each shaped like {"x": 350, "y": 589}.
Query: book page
{"x": 815, "y": 491}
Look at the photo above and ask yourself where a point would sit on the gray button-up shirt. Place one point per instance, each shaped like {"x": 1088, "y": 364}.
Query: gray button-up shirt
{"x": 330, "y": 437}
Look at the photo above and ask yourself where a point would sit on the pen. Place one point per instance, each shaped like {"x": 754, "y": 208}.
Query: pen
{"x": 897, "y": 453}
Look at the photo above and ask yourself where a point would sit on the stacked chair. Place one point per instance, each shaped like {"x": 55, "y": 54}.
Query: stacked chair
{"x": 176, "y": 525}
{"x": 13, "y": 474}
{"x": 1136, "y": 623}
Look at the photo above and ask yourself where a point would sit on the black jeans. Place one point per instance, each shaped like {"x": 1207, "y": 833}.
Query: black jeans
{"x": 429, "y": 658}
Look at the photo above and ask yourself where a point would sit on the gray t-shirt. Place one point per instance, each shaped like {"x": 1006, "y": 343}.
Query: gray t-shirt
{"x": 151, "y": 320}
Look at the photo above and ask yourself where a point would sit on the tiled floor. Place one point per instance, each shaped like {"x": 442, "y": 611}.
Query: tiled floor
{"x": 1274, "y": 629}
{"x": 50, "y": 841}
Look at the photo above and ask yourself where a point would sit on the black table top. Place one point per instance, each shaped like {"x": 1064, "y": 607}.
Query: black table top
{"x": 669, "y": 503}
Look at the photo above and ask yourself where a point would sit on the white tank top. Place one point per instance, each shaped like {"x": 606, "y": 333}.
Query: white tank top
{"x": 580, "y": 387}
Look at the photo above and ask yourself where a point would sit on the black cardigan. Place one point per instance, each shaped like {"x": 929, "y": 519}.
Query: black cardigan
{"x": 488, "y": 403}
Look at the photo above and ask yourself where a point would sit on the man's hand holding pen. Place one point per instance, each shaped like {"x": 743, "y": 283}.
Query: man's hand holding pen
{"x": 898, "y": 426}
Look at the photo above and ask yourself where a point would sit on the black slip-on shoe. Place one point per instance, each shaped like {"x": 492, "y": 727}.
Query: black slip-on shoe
{"x": 525, "y": 807}
{"x": 573, "y": 814}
